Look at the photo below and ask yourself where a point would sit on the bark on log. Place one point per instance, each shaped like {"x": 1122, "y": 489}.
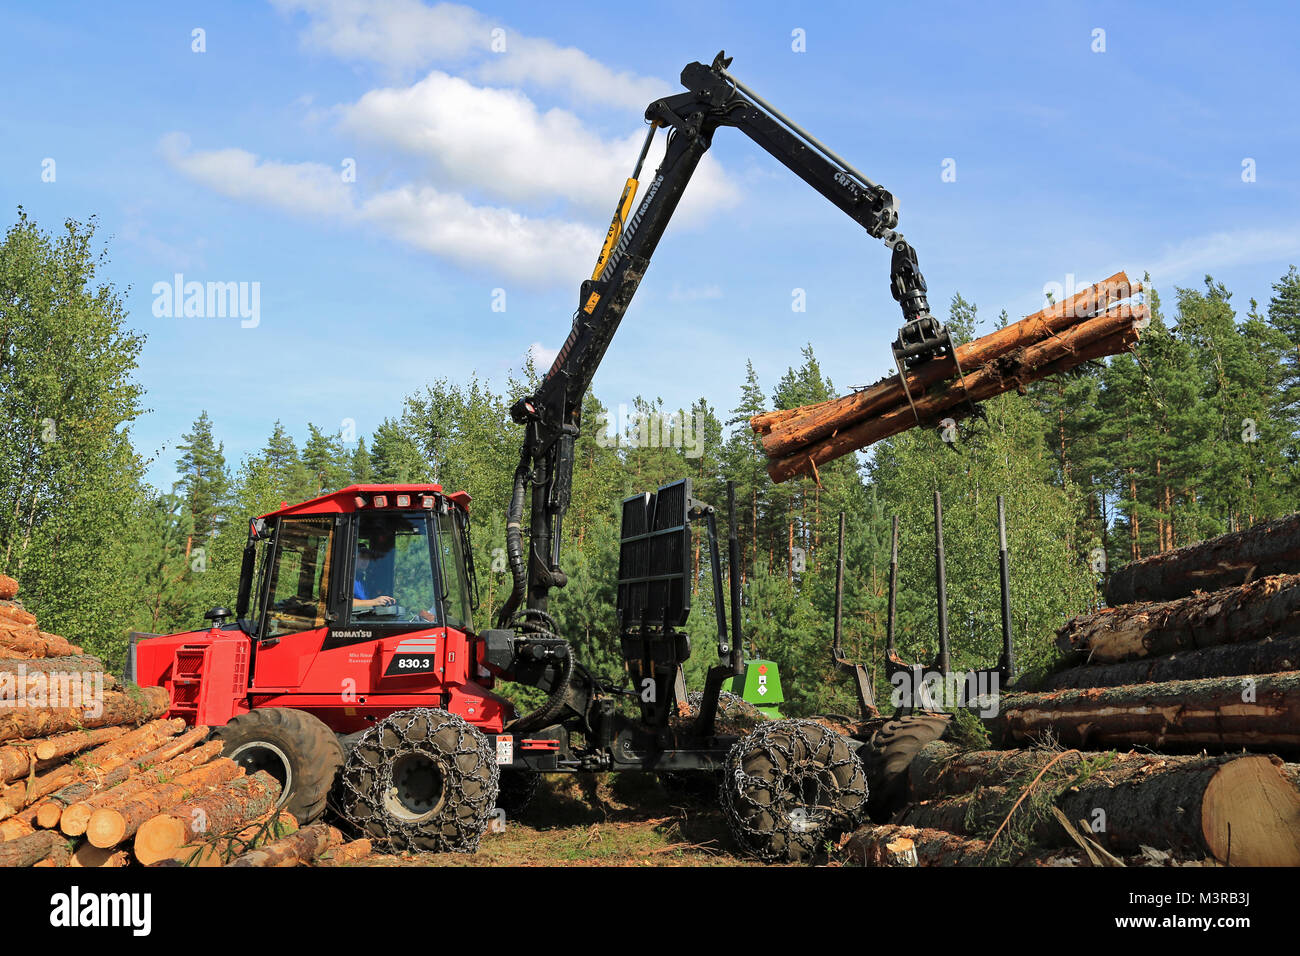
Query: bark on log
{"x": 102, "y": 760}
{"x": 71, "y": 664}
{"x": 60, "y": 856}
{"x": 964, "y": 814}
{"x": 74, "y": 742}
{"x": 8, "y": 588}
{"x": 1242, "y": 810}
{"x": 77, "y": 815}
{"x": 223, "y": 849}
{"x": 296, "y": 850}
{"x": 129, "y": 707}
{"x": 348, "y": 854}
{"x": 895, "y": 845}
{"x": 110, "y": 825}
{"x": 39, "y": 685}
{"x": 29, "y": 849}
{"x": 789, "y": 429}
{"x": 1256, "y": 713}
{"x": 100, "y": 779}
{"x": 1105, "y": 335}
{"x": 1226, "y": 561}
{"x": 1257, "y": 657}
{"x": 15, "y": 613}
{"x": 1268, "y": 607}
{"x": 29, "y": 641}
{"x": 226, "y": 808}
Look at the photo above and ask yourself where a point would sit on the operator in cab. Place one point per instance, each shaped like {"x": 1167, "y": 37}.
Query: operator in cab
{"x": 360, "y": 596}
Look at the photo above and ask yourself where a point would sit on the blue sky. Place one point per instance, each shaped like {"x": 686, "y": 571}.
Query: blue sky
{"x": 481, "y": 169}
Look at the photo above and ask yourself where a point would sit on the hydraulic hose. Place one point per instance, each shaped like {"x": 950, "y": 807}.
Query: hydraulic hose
{"x": 515, "y": 544}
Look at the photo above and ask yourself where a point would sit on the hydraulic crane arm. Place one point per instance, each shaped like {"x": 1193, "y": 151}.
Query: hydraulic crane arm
{"x": 552, "y": 415}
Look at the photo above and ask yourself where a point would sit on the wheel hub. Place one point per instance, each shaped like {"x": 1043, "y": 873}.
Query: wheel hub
{"x": 261, "y": 755}
{"x": 417, "y": 788}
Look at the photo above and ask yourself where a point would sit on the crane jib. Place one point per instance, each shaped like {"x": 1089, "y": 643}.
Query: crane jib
{"x": 630, "y": 230}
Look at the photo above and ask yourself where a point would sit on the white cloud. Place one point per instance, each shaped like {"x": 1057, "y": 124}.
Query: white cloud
{"x": 482, "y": 237}
{"x": 542, "y": 356}
{"x": 405, "y": 35}
{"x": 1194, "y": 258}
{"x": 499, "y": 141}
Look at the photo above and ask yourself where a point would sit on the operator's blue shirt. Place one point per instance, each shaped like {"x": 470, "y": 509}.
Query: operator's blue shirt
{"x": 359, "y": 591}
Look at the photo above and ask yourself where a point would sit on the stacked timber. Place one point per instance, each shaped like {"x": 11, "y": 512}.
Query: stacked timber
{"x": 1196, "y": 665}
{"x": 1097, "y": 322}
{"x": 94, "y": 776}
{"x": 983, "y": 806}
{"x": 1218, "y": 669}
{"x": 73, "y": 744}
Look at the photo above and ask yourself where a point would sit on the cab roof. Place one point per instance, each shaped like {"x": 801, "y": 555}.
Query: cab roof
{"x": 360, "y": 498}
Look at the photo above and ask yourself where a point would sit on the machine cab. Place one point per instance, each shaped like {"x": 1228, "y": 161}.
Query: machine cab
{"x": 350, "y": 606}
{"x": 387, "y": 558}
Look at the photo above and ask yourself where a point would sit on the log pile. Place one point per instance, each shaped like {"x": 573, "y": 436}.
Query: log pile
{"x": 1097, "y": 322}
{"x": 980, "y": 807}
{"x": 1207, "y": 678}
{"x": 94, "y": 776}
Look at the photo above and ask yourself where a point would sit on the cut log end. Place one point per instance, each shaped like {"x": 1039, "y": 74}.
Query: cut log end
{"x": 106, "y": 828}
{"x": 1250, "y": 815}
{"x": 160, "y": 838}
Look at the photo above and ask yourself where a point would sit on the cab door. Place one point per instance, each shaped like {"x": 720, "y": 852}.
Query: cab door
{"x": 297, "y": 605}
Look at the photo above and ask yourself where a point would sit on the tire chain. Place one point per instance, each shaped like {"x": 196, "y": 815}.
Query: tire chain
{"x": 368, "y": 774}
{"x": 807, "y": 772}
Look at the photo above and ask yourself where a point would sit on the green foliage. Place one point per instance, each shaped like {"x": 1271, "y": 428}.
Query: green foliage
{"x": 68, "y": 474}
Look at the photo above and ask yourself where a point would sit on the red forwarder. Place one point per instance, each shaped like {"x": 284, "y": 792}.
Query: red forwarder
{"x": 352, "y": 607}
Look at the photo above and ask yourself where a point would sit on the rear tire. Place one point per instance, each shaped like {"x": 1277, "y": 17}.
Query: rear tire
{"x": 889, "y": 754}
{"x": 791, "y": 786}
{"x": 422, "y": 780}
{"x": 291, "y": 745}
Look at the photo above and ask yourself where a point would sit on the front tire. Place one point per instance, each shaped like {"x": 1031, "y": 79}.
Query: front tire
{"x": 422, "y": 780}
{"x": 789, "y": 787}
{"x": 294, "y": 747}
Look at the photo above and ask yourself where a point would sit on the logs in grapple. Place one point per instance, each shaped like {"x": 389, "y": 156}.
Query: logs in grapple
{"x": 1054, "y": 340}
{"x": 1226, "y": 561}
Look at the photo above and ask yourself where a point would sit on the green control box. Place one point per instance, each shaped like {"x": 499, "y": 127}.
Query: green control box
{"x": 761, "y": 686}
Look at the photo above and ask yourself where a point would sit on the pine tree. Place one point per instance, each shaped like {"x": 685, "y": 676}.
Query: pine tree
{"x": 204, "y": 482}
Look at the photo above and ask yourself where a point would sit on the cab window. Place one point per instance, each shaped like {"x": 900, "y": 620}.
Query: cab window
{"x": 298, "y": 585}
{"x": 393, "y": 579}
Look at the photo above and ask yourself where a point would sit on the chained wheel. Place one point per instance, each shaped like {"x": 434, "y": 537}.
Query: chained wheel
{"x": 420, "y": 779}
{"x": 791, "y": 786}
